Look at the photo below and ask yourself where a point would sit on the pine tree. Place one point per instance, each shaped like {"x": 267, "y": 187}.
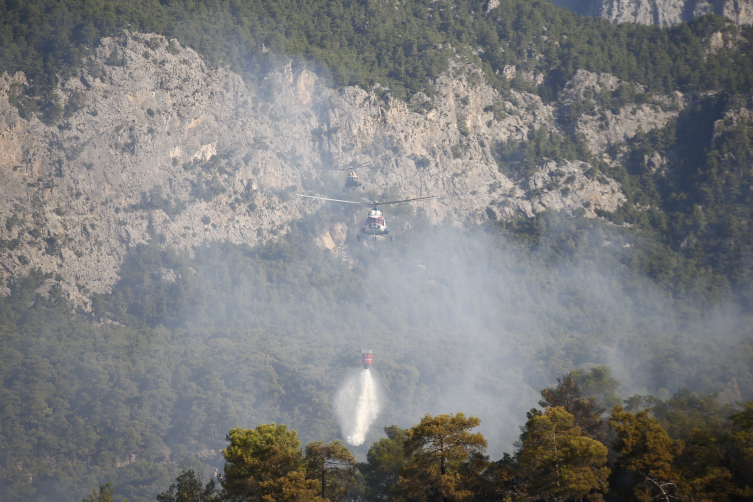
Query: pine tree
{"x": 559, "y": 461}
{"x": 569, "y": 395}
{"x": 293, "y": 487}
{"x": 106, "y": 494}
{"x": 333, "y": 465}
{"x": 384, "y": 461}
{"x": 646, "y": 456}
{"x": 257, "y": 459}
{"x": 437, "y": 448}
{"x": 189, "y": 488}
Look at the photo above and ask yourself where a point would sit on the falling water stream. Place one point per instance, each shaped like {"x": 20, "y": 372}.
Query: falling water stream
{"x": 357, "y": 406}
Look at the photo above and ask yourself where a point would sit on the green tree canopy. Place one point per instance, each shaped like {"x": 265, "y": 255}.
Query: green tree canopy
{"x": 292, "y": 487}
{"x": 188, "y": 487}
{"x": 559, "y": 461}
{"x": 384, "y": 462}
{"x": 359, "y": 43}
{"x": 257, "y": 458}
{"x": 106, "y": 494}
{"x": 333, "y": 465}
{"x": 646, "y": 452}
{"x": 744, "y": 437}
{"x": 569, "y": 396}
{"x": 444, "y": 440}
{"x": 599, "y": 383}
{"x": 436, "y": 448}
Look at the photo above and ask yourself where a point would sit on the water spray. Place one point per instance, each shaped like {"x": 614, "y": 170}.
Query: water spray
{"x": 357, "y": 403}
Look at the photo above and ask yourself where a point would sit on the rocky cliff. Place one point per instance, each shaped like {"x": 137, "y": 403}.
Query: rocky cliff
{"x": 660, "y": 12}
{"x": 154, "y": 143}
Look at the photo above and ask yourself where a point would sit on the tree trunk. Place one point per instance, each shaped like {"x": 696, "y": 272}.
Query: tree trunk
{"x": 324, "y": 481}
{"x": 442, "y": 462}
{"x": 556, "y": 461}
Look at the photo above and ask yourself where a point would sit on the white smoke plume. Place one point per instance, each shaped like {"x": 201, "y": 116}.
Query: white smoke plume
{"x": 357, "y": 406}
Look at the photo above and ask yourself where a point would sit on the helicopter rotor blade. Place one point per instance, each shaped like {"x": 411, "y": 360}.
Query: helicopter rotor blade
{"x": 406, "y": 200}
{"x": 333, "y": 200}
{"x": 367, "y": 201}
{"x": 351, "y": 168}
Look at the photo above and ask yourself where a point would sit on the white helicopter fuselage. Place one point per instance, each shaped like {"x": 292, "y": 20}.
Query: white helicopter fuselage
{"x": 374, "y": 225}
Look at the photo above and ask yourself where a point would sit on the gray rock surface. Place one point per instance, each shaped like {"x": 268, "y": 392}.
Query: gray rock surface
{"x": 602, "y": 127}
{"x": 166, "y": 147}
{"x": 660, "y": 12}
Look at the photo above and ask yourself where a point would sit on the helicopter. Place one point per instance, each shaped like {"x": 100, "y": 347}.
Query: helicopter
{"x": 352, "y": 181}
{"x": 375, "y": 226}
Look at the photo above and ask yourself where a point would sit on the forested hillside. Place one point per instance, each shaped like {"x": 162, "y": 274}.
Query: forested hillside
{"x": 398, "y": 44}
{"x": 184, "y": 292}
{"x": 243, "y": 336}
{"x": 685, "y": 448}
{"x": 703, "y": 196}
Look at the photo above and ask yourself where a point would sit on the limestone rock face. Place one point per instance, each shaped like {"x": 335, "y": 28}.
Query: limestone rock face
{"x": 156, "y": 144}
{"x": 333, "y": 238}
{"x": 739, "y": 113}
{"x": 603, "y": 127}
{"x": 661, "y": 12}
{"x": 560, "y": 186}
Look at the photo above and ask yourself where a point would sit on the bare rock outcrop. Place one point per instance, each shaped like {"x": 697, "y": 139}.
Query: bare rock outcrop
{"x": 156, "y": 144}
{"x": 603, "y": 124}
{"x": 661, "y": 12}
{"x": 738, "y": 114}
{"x": 333, "y": 238}
{"x": 561, "y": 186}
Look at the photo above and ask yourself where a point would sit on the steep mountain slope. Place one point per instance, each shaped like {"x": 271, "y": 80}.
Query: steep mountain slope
{"x": 596, "y": 184}
{"x": 157, "y": 143}
{"x": 662, "y": 12}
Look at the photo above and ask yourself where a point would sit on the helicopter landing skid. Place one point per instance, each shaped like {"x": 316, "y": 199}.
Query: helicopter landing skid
{"x": 374, "y": 236}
